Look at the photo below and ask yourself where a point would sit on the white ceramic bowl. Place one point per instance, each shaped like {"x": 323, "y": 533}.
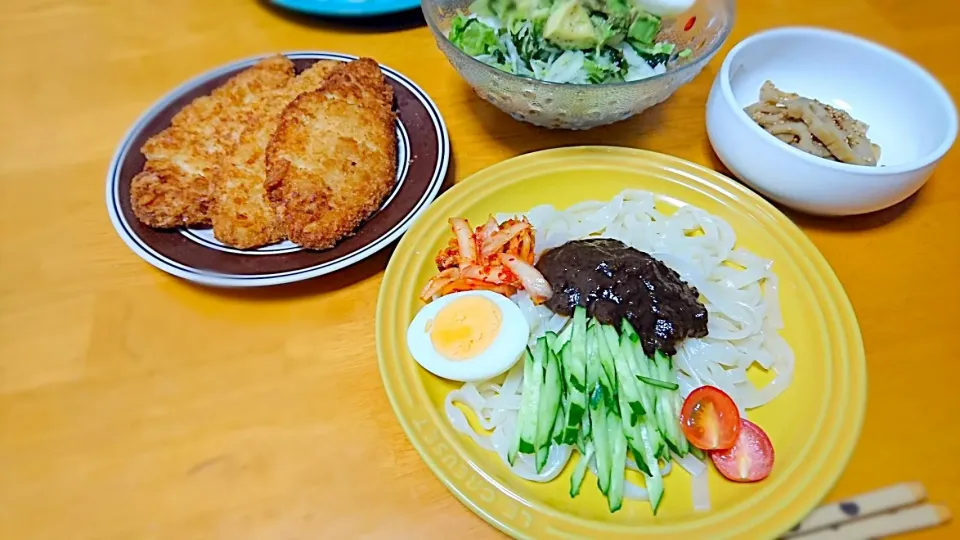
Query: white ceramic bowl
{"x": 910, "y": 115}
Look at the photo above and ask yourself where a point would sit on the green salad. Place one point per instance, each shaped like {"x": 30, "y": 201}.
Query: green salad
{"x": 565, "y": 41}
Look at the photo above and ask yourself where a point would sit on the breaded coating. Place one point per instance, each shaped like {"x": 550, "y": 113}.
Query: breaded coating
{"x": 333, "y": 159}
{"x": 242, "y": 216}
{"x": 175, "y": 186}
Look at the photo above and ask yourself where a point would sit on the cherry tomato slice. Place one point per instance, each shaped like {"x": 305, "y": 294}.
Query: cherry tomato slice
{"x": 750, "y": 459}
{"x": 710, "y": 419}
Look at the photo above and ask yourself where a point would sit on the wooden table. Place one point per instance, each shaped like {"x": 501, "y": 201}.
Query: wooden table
{"x": 134, "y": 405}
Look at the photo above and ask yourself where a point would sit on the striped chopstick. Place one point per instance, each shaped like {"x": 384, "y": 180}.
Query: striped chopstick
{"x": 887, "y": 511}
{"x": 911, "y": 518}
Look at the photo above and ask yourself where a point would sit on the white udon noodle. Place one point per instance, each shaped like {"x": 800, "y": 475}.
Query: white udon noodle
{"x": 738, "y": 288}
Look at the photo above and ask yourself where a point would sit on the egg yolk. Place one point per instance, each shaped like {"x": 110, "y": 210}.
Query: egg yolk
{"x": 465, "y": 327}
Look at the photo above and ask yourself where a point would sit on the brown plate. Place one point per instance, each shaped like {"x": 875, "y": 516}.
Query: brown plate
{"x": 423, "y": 155}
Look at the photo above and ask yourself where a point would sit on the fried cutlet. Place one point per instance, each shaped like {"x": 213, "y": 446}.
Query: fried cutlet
{"x": 242, "y": 216}
{"x": 333, "y": 158}
{"x": 175, "y": 186}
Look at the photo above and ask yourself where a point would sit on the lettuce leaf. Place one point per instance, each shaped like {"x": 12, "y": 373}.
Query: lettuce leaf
{"x": 472, "y": 36}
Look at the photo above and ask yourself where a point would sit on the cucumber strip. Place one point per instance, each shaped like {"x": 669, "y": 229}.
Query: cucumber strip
{"x": 578, "y": 342}
{"x": 663, "y": 364}
{"x": 543, "y": 453}
{"x": 632, "y": 412}
{"x": 631, "y": 430}
{"x": 582, "y": 443}
{"x": 626, "y": 382}
{"x": 638, "y": 456}
{"x": 669, "y": 416}
{"x": 648, "y": 395}
{"x": 607, "y": 343}
{"x": 654, "y": 480}
{"x": 653, "y": 433}
{"x": 698, "y": 453}
{"x": 658, "y": 383}
{"x": 558, "y": 426}
{"x": 645, "y": 366}
{"x": 594, "y": 368}
{"x": 548, "y": 406}
{"x": 685, "y": 445}
{"x": 574, "y": 362}
{"x": 601, "y": 439}
{"x": 574, "y": 370}
{"x": 593, "y": 371}
{"x": 674, "y": 403}
{"x": 527, "y": 406}
{"x": 563, "y": 338}
{"x": 551, "y": 339}
{"x": 580, "y": 471}
{"x": 618, "y": 469}
{"x": 666, "y": 422}
{"x": 664, "y": 451}
{"x": 527, "y": 423}
{"x": 627, "y": 329}
{"x": 586, "y": 429}
{"x": 642, "y": 364}
{"x": 612, "y": 341}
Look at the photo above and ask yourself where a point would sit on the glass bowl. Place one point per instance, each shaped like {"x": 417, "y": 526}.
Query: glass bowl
{"x": 584, "y": 106}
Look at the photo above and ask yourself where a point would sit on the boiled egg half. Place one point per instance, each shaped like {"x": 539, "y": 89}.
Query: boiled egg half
{"x": 468, "y": 336}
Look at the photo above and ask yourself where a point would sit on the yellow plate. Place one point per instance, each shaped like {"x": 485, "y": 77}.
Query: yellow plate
{"x": 813, "y": 425}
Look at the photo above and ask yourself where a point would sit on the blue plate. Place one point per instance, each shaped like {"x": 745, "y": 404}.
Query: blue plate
{"x": 348, "y": 8}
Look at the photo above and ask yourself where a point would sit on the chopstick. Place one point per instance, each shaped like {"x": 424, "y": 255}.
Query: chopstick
{"x": 875, "y": 514}
{"x": 908, "y": 519}
{"x": 863, "y": 505}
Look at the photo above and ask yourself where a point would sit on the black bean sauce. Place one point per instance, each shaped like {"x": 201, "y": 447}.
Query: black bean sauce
{"x": 615, "y": 281}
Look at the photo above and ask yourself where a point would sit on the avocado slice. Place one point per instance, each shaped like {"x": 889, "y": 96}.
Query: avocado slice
{"x": 645, "y": 28}
{"x": 569, "y": 26}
